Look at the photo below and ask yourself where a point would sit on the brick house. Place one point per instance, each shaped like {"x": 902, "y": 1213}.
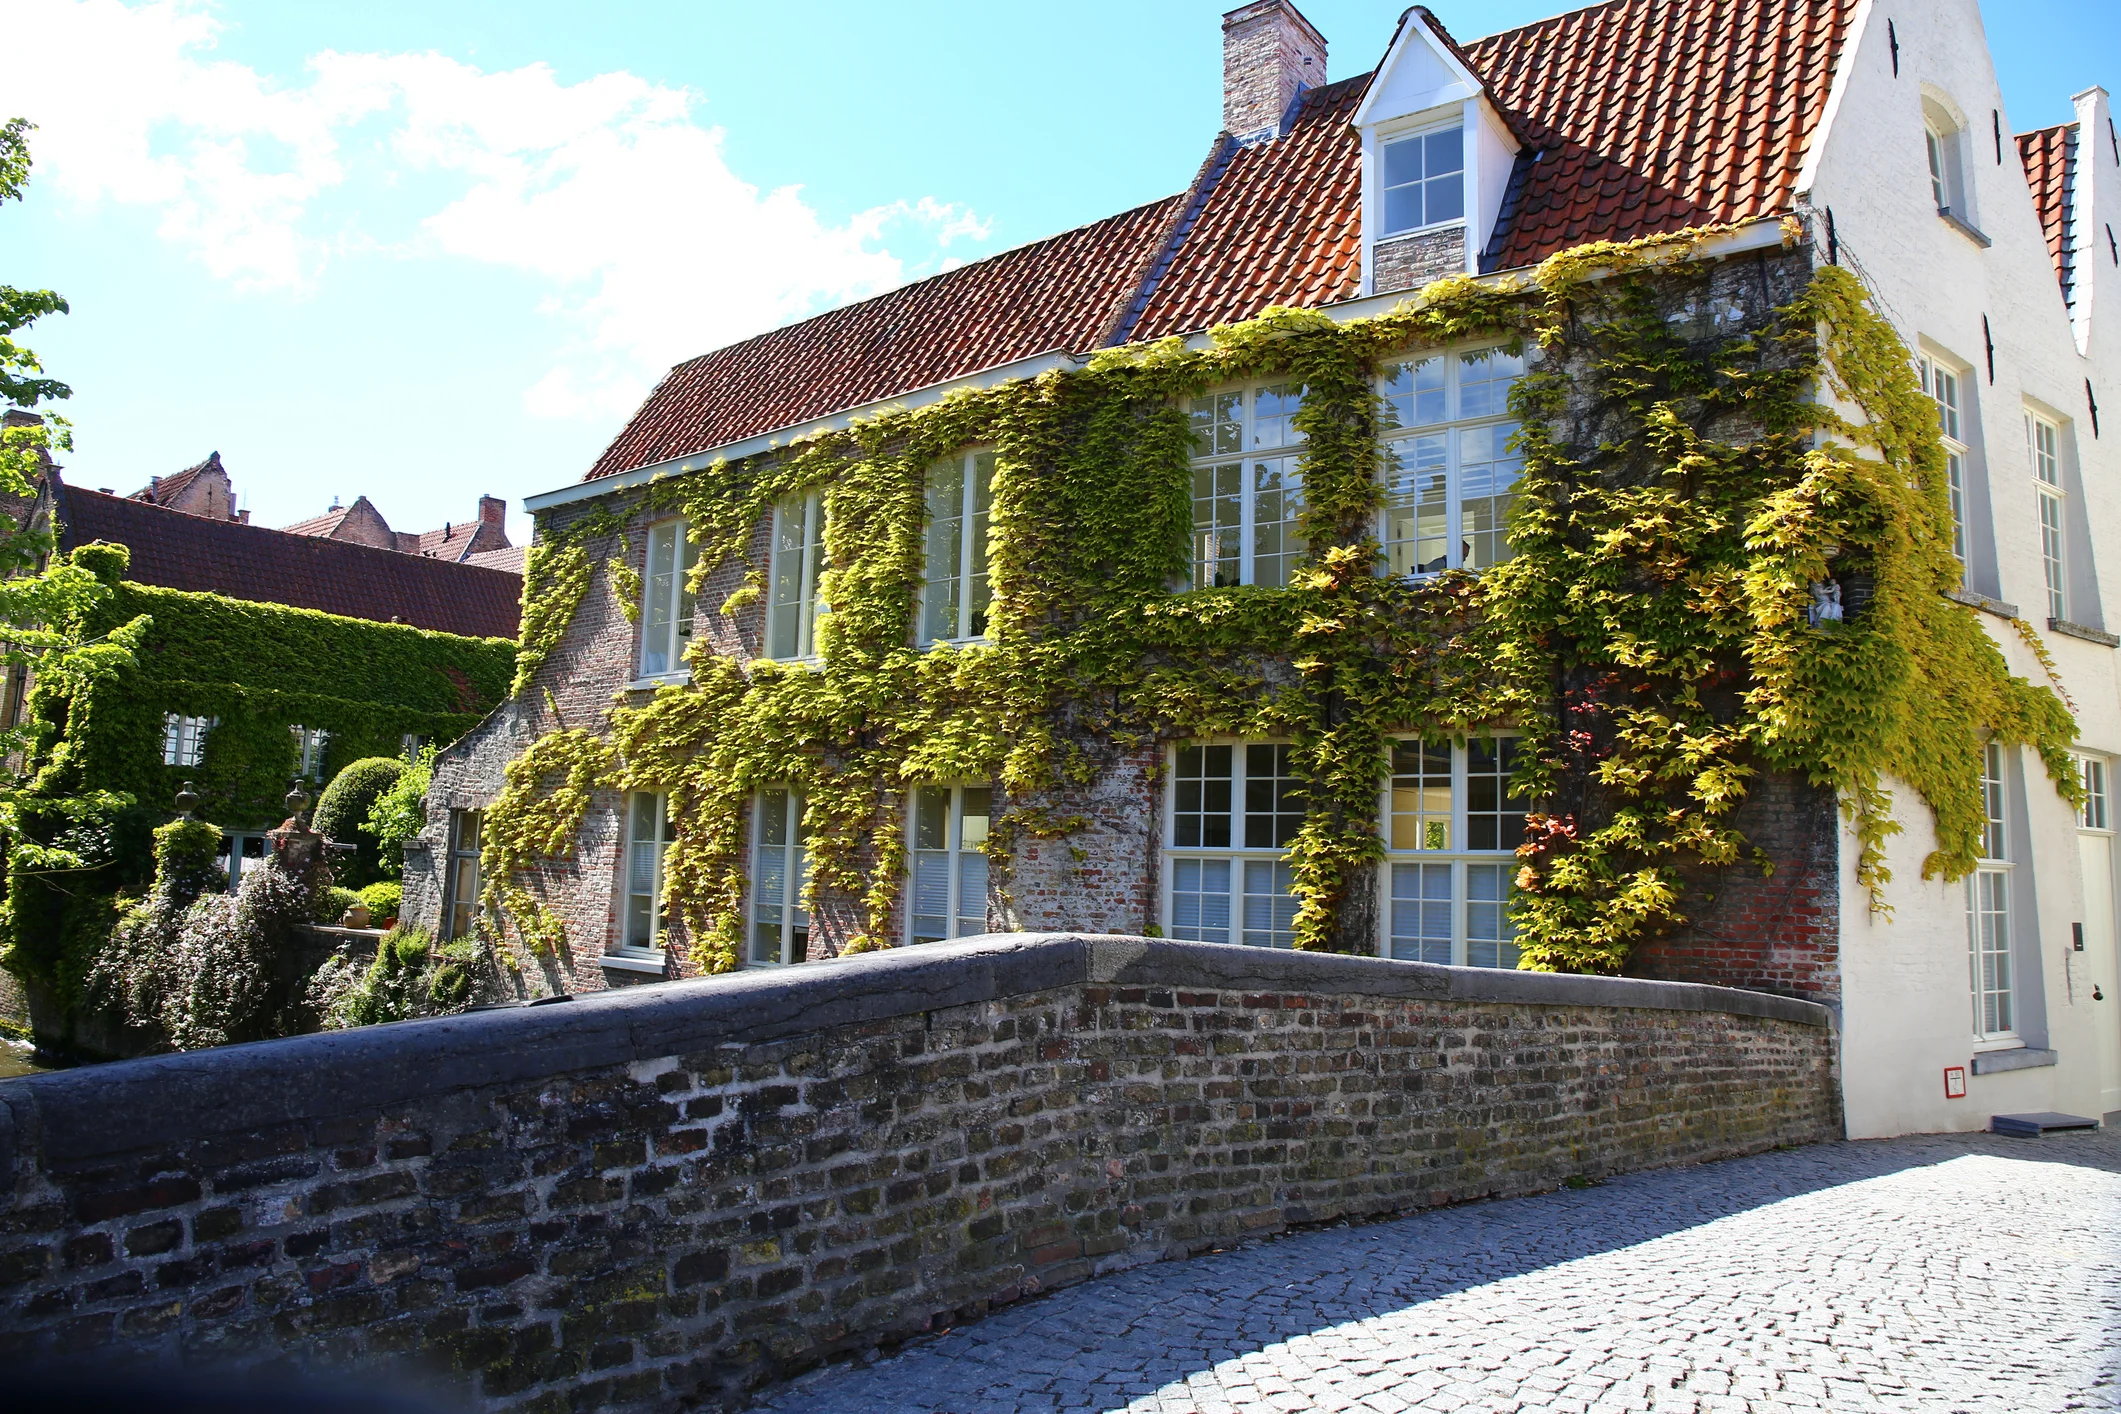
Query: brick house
{"x": 1817, "y": 131}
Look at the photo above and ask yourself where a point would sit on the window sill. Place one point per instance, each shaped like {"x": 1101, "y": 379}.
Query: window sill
{"x": 681, "y": 678}
{"x": 1982, "y": 602}
{"x": 981, "y": 642}
{"x": 2013, "y": 1058}
{"x": 635, "y": 962}
{"x": 2088, "y": 634}
{"x": 1963, "y": 229}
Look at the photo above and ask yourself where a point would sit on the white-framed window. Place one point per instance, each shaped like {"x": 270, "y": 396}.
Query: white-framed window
{"x": 237, "y": 852}
{"x": 1422, "y": 181}
{"x": 793, "y": 604}
{"x": 1942, "y": 385}
{"x": 2043, "y": 443}
{"x": 648, "y": 838}
{"x": 666, "y": 599}
{"x": 1988, "y": 911}
{"x": 184, "y": 738}
{"x": 311, "y": 744}
{"x": 780, "y": 867}
{"x": 2093, "y": 814}
{"x": 1450, "y": 473}
{"x": 1451, "y": 831}
{"x": 460, "y": 881}
{"x": 948, "y": 825}
{"x": 409, "y": 745}
{"x": 955, "y": 596}
{"x": 1248, "y": 485}
{"x": 1233, "y": 808}
{"x": 1942, "y": 140}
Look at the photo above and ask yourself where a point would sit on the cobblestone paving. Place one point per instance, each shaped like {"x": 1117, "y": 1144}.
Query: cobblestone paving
{"x": 1931, "y": 1274}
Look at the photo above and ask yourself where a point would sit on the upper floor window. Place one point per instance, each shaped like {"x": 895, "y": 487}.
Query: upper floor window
{"x": 1424, "y": 180}
{"x": 949, "y": 867}
{"x": 1943, "y": 137}
{"x": 1449, "y": 469}
{"x": 1942, "y": 385}
{"x": 1988, "y": 911}
{"x": 2043, "y": 440}
{"x": 1234, "y": 809}
{"x": 1248, "y": 492}
{"x": 2091, "y": 772}
{"x": 311, "y": 744}
{"x": 648, "y": 838}
{"x": 955, "y": 597}
{"x": 666, "y": 599}
{"x": 780, "y": 869}
{"x": 1449, "y": 813}
{"x": 793, "y": 605}
{"x": 184, "y": 738}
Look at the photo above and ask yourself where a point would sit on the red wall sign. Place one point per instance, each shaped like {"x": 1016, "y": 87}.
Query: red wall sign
{"x": 1955, "y": 1082}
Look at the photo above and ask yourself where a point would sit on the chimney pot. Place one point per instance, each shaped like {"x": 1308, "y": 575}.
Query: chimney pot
{"x": 1271, "y": 53}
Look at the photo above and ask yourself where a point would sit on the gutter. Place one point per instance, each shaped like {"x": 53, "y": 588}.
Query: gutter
{"x": 1762, "y": 234}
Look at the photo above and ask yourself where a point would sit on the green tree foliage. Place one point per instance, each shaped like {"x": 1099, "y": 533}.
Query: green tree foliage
{"x": 411, "y": 977}
{"x": 343, "y": 811}
{"x": 400, "y": 813}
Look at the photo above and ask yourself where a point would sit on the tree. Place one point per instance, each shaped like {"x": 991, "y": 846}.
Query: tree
{"x": 44, "y": 598}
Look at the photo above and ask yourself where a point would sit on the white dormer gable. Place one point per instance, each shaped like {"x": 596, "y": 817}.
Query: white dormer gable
{"x": 1422, "y": 218}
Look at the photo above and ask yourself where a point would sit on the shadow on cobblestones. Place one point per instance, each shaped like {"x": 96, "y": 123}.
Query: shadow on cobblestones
{"x": 1905, "y": 1274}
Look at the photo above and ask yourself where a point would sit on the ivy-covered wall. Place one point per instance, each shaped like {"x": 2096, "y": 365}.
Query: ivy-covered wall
{"x": 259, "y": 669}
{"x": 1704, "y": 440}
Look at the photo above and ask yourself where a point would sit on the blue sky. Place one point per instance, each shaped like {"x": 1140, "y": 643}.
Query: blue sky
{"x": 425, "y": 251}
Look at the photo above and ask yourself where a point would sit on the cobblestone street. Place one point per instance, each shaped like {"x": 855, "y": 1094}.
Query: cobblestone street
{"x": 1932, "y": 1274}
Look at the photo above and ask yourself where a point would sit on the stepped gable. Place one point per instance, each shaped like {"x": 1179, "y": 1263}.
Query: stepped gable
{"x": 2050, "y": 157}
{"x": 179, "y": 551}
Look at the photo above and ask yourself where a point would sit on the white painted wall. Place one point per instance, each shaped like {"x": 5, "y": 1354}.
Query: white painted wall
{"x": 1906, "y": 992}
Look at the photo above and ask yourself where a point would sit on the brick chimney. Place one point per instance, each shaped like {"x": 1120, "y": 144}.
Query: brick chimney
{"x": 492, "y": 510}
{"x": 1270, "y": 55}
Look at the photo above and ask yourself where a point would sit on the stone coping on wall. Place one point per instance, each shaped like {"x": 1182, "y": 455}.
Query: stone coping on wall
{"x": 97, "y": 1112}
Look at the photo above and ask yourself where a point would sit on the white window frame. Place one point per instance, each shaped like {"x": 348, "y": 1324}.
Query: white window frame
{"x": 312, "y": 745}
{"x": 1456, "y": 124}
{"x": 808, "y": 607}
{"x": 1941, "y": 383}
{"x": 657, "y": 845}
{"x": 667, "y": 608}
{"x": 791, "y": 921}
{"x": 184, "y": 738}
{"x": 1262, "y": 440}
{"x": 1988, "y": 899}
{"x": 1453, "y": 429}
{"x": 1242, "y": 861}
{"x": 1458, "y": 859}
{"x": 952, "y": 858}
{"x": 2043, "y": 452}
{"x": 2095, "y": 774}
{"x": 460, "y": 878}
{"x": 235, "y": 854}
{"x": 966, "y": 580}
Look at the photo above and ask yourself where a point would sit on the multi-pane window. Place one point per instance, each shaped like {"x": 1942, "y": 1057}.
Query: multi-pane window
{"x": 2091, "y": 773}
{"x": 1248, "y": 486}
{"x": 1942, "y": 385}
{"x": 792, "y": 603}
{"x": 1451, "y": 827}
{"x": 1448, "y": 464}
{"x": 780, "y": 867}
{"x": 949, "y": 868}
{"x": 1424, "y": 180}
{"x": 647, "y": 840}
{"x": 1988, "y": 910}
{"x": 1940, "y": 167}
{"x": 666, "y": 599}
{"x": 184, "y": 738}
{"x": 2043, "y": 442}
{"x": 954, "y": 599}
{"x": 460, "y": 884}
{"x": 237, "y": 852}
{"x": 1234, "y": 809}
{"x": 310, "y": 745}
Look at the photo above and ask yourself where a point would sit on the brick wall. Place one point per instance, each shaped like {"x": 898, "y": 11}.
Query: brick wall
{"x": 1414, "y": 261}
{"x": 668, "y": 1195}
{"x": 1270, "y": 54}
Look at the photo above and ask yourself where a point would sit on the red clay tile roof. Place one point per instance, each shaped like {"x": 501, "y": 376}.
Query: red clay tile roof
{"x": 1641, "y": 116}
{"x": 179, "y": 551}
{"x": 2050, "y": 157}
{"x": 323, "y": 524}
{"x": 1058, "y": 294}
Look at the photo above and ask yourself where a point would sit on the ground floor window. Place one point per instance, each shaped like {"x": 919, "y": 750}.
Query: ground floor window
{"x": 647, "y": 839}
{"x": 237, "y": 852}
{"x": 1234, "y": 809}
{"x": 1456, "y": 913}
{"x": 1451, "y": 831}
{"x": 1989, "y": 952}
{"x": 949, "y": 898}
{"x": 780, "y": 866}
{"x": 460, "y": 881}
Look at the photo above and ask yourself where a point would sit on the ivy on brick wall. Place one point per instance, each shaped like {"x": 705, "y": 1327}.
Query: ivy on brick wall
{"x": 1683, "y": 488}
{"x": 257, "y": 669}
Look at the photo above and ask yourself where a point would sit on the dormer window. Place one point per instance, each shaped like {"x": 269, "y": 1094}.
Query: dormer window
{"x": 1424, "y": 180}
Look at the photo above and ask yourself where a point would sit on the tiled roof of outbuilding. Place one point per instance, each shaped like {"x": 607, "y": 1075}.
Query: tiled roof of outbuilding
{"x": 1642, "y": 117}
{"x": 179, "y": 551}
{"x": 2049, "y": 156}
{"x": 162, "y": 489}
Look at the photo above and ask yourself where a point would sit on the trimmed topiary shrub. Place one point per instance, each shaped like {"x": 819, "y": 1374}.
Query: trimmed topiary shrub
{"x": 343, "y": 810}
{"x": 383, "y": 898}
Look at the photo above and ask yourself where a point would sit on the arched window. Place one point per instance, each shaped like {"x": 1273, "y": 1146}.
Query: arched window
{"x": 1945, "y": 137}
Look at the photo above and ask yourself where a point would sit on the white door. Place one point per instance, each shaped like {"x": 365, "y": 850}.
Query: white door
{"x": 2096, "y": 857}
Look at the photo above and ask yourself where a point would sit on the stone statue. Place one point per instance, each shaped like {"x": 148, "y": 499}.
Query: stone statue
{"x": 1826, "y": 604}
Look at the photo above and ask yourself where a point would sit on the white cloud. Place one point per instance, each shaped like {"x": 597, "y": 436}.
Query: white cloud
{"x": 608, "y": 192}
